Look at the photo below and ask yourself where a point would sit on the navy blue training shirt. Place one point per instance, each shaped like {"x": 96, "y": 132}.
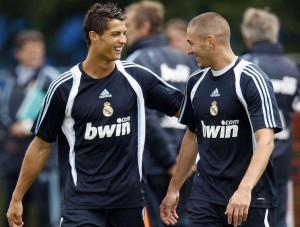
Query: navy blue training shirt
{"x": 100, "y": 125}
{"x": 224, "y": 108}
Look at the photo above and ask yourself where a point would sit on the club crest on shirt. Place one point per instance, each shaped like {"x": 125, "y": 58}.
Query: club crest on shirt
{"x": 107, "y": 109}
{"x": 213, "y": 109}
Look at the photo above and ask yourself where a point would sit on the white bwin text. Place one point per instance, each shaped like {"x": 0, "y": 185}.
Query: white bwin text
{"x": 120, "y": 129}
{"x": 228, "y": 129}
{"x": 178, "y": 74}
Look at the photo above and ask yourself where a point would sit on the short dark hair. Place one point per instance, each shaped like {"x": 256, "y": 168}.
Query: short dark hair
{"x": 98, "y": 16}
{"x": 25, "y": 36}
{"x": 211, "y": 23}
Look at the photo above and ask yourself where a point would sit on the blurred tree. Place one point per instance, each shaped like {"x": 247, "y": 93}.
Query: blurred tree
{"x": 53, "y": 18}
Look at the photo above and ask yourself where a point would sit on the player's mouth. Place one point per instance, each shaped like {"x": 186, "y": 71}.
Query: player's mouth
{"x": 118, "y": 49}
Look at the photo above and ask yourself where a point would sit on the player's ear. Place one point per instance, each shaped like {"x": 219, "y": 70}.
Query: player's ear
{"x": 211, "y": 42}
{"x": 93, "y": 36}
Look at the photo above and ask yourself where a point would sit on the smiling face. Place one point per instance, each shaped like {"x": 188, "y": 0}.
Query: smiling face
{"x": 198, "y": 46}
{"x": 108, "y": 47}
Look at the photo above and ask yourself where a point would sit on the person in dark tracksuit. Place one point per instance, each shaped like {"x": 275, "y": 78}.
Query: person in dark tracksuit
{"x": 25, "y": 86}
{"x": 260, "y": 30}
{"x": 147, "y": 46}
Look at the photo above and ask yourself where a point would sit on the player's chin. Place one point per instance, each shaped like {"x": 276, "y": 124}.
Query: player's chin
{"x": 117, "y": 54}
{"x": 117, "y": 57}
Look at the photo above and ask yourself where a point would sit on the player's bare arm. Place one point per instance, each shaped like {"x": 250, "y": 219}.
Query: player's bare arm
{"x": 34, "y": 160}
{"x": 186, "y": 160}
{"x": 238, "y": 206}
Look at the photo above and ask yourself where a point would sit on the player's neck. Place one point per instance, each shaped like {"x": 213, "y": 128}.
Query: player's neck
{"x": 223, "y": 60}
{"x": 98, "y": 69}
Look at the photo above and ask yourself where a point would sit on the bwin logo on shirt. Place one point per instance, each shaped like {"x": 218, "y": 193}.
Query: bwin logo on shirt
{"x": 227, "y": 129}
{"x": 105, "y": 94}
{"x": 120, "y": 129}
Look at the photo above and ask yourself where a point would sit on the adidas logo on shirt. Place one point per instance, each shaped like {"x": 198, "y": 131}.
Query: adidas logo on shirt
{"x": 215, "y": 93}
{"x": 105, "y": 94}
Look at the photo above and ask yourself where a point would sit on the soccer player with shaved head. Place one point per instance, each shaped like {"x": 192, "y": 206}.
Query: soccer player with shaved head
{"x": 231, "y": 115}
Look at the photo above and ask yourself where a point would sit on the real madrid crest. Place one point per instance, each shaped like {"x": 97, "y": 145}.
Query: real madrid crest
{"x": 213, "y": 109}
{"x": 107, "y": 109}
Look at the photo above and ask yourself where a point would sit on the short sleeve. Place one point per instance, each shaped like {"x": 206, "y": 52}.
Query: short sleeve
{"x": 187, "y": 116}
{"x": 48, "y": 122}
{"x": 260, "y": 98}
{"x": 160, "y": 95}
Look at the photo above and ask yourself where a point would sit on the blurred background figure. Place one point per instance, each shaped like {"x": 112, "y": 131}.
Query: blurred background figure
{"x": 260, "y": 30}
{"x": 147, "y": 46}
{"x": 22, "y": 90}
{"x": 175, "y": 31}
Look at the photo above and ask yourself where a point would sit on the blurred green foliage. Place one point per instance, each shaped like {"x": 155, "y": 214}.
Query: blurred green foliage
{"x": 48, "y": 15}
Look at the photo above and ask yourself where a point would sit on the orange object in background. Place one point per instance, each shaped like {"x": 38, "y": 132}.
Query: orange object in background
{"x": 146, "y": 218}
{"x": 296, "y": 167}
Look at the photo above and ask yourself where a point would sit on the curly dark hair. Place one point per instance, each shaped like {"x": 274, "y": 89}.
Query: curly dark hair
{"x": 98, "y": 16}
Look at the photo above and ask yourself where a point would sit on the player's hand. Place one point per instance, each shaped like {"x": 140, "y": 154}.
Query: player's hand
{"x": 238, "y": 206}
{"x": 168, "y": 208}
{"x": 14, "y": 214}
{"x": 17, "y": 129}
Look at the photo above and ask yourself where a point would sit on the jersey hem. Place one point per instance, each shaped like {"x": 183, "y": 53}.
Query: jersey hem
{"x": 114, "y": 206}
{"x": 225, "y": 203}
